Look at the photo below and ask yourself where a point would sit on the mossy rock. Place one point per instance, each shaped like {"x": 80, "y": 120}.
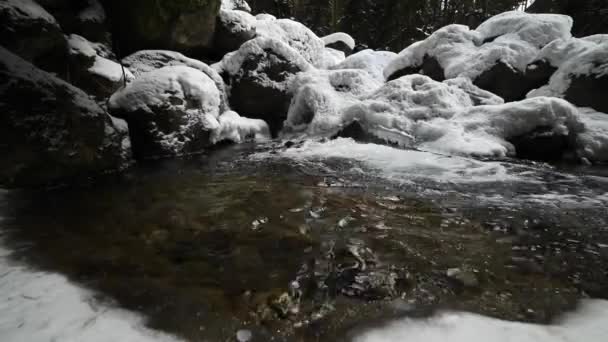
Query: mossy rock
{"x": 179, "y": 25}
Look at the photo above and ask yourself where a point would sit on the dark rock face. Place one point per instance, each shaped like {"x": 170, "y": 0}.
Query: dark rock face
{"x": 86, "y": 18}
{"x": 340, "y": 46}
{"x": 32, "y": 33}
{"x": 91, "y": 69}
{"x": 538, "y": 74}
{"x": 589, "y": 91}
{"x": 541, "y": 145}
{"x": 504, "y": 81}
{"x": 170, "y": 111}
{"x": 51, "y": 131}
{"x": 430, "y": 67}
{"x": 231, "y": 31}
{"x": 180, "y": 25}
{"x": 255, "y": 98}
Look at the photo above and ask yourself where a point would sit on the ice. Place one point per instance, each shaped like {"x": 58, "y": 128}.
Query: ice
{"x": 233, "y": 127}
{"x": 589, "y": 324}
{"x": 400, "y": 165}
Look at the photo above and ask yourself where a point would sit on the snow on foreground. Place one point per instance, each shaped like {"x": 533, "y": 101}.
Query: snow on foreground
{"x": 42, "y": 307}
{"x": 588, "y": 324}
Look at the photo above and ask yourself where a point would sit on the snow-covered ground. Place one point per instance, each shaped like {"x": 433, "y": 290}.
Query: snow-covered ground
{"x": 588, "y": 324}
{"x": 37, "y": 306}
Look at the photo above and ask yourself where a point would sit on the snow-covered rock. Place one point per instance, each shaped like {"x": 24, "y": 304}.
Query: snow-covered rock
{"x": 593, "y": 143}
{"x": 297, "y": 36}
{"x": 369, "y": 60}
{"x": 47, "y": 124}
{"x": 320, "y": 98}
{"x": 239, "y": 5}
{"x": 32, "y": 33}
{"x": 453, "y": 117}
{"x": 265, "y": 16}
{"x": 145, "y": 61}
{"x": 170, "y": 111}
{"x": 258, "y": 76}
{"x": 340, "y": 41}
{"x": 232, "y": 30}
{"x": 90, "y": 71}
{"x": 582, "y": 71}
{"x": 235, "y": 128}
{"x": 495, "y": 55}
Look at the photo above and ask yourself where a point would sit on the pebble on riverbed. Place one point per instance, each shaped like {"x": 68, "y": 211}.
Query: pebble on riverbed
{"x": 465, "y": 278}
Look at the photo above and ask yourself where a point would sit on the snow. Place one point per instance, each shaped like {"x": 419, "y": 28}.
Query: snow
{"x": 594, "y": 141}
{"x": 265, "y": 16}
{"x": 536, "y": 29}
{"x": 237, "y": 21}
{"x": 159, "y": 87}
{"x": 589, "y": 324}
{"x": 397, "y": 164}
{"x": 294, "y": 34}
{"x": 102, "y": 66}
{"x": 94, "y": 12}
{"x": 144, "y": 61}
{"x": 233, "y": 127}
{"x": 514, "y": 38}
{"x": 261, "y": 46}
{"x": 339, "y": 37}
{"x": 39, "y": 307}
{"x": 321, "y": 96}
{"x": 452, "y": 117}
{"x": 330, "y": 58}
{"x": 26, "y": 10}
{"x": 573, "y": 57}
{"x": 369, "y": 60}
{"x": 240, "y": 5}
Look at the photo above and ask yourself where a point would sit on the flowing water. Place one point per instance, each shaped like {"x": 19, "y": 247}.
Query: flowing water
{"x": 312, "y": 243}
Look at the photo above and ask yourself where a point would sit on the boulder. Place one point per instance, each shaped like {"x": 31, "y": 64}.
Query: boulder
{"x": 32, "y": 33}
{"x": 238, "y": 5}
{"x": 180, "y": 25}
{"x": 170, "y": 111}
{"x": 580, "y": 75}
{"x": 86, "y": 18}
{"x": 258, "y": 76}
{"x": 91, "y": 70}
{"x": 233, "y": 28}
{"x": 429, "y": 67}
{"x": 145, "y": 61}
{"x": 51, "y": 131}
{"x": 340, "y": 41}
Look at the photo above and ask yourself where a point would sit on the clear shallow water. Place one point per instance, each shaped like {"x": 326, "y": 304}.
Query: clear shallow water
{"x": 305, "y": 243}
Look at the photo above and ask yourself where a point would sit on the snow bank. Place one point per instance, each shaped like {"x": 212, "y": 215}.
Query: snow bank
{"x": 174, "y": 88}
{"x": 589, "y": 324}
{"x": 369, "y": 60}
{"x": 593, "y": 141}
{"x": 265, "y": 16}
{"x": 573, "y": 58}
{"x": 237, "y": 21}
{"x": 40, "y": 307}
{"x": 233, "y": 127}
{"x": 339, "y": 37}
{"x": 330, "y": 58}
{"x": 240, "y": 5}
{"x": 26, "y": 10}
{"x": 102, "y": 66}
{"x": 514, "y": 38}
